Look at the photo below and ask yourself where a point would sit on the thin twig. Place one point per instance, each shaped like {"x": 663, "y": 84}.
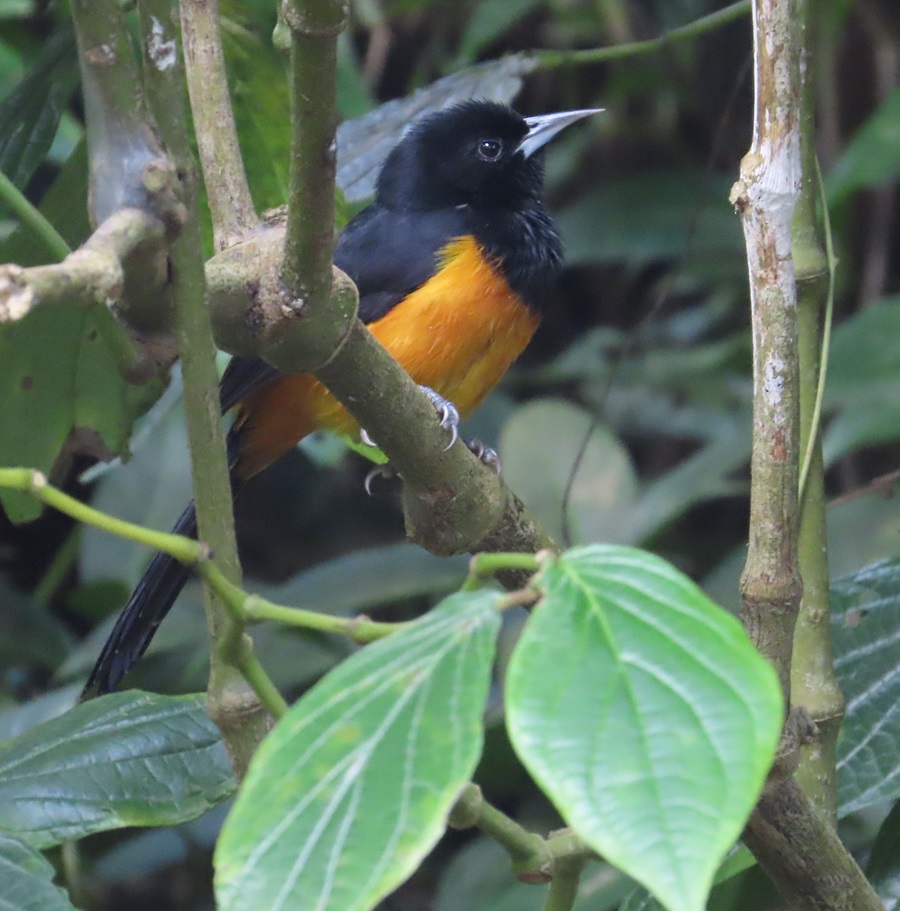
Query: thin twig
{"x": 551, "y": 59}
{"x": 32, "y": 219}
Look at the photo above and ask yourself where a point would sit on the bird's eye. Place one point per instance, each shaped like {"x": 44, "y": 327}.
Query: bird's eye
{"x": 489, "y": 149}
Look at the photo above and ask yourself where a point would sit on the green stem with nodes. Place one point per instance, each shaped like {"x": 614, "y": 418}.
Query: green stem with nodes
{"x": 27, "y": 480}
{"x": 528, "y": 852}
{"x": 33, "y": 219}
{"x": 253, "y": 607}
{"x": 534, "y": 859}
{"x": 551, "y": 59}
{"x": 564, "y": 885}
{"x": 231, "y": 703}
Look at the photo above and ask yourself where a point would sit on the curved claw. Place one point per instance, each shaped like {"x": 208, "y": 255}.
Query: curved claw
{"x": 379, "y": 471}
{"x": 447, "y": 413}
{"x": 485, "y": 454}
{"x": 365, "y": 438}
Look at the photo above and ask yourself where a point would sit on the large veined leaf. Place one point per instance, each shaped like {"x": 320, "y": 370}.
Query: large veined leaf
{"x": 354, "y": 785}
{"x": 56, "y": 371}
{"x": 127, "y": 759}
{"x": 883, "y": 869}
{"x": 30, "y": 115}
{"x": 646, "y": 714}
{"x": 26, "y": 879}
{"x": 866, "y": 630}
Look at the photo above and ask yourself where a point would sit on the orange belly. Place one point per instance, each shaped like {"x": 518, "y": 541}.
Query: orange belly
{"x": 458, "y": 334}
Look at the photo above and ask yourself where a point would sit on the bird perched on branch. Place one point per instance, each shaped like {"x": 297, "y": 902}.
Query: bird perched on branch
{"x": 454, "y": 262}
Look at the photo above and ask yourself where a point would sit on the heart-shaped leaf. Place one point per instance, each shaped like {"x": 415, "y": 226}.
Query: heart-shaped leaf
{"x": 354, "y": 785}
{"x": 646, "y": 714}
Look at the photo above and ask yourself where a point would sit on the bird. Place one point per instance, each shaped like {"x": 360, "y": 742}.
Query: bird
{"x": 455, "y": 261}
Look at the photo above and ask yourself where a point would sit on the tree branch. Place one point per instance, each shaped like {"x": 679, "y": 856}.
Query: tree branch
{"x": 124, "y": 253}
{"x": 813, "y": 681}
{"x": 766, "y": 195}
{"x": 232, "y": 703}
{"x": 802, "y": 853}
{"x": 227, "y": 191}
{"x": 792, "y": 842}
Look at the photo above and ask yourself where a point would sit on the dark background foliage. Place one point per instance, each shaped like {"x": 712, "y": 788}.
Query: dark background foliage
{"x": 647, "y": 336}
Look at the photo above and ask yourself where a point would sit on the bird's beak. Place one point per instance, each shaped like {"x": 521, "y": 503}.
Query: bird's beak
{"x": 542, "y": 129}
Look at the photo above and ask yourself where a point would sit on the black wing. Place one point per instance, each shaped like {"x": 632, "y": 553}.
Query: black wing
{"x": 388, "y": 255}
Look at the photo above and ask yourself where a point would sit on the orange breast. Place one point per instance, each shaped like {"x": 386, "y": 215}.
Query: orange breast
{"x": 458, "y": 334}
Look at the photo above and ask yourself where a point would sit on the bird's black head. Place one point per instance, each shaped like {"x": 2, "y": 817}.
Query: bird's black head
{"x": 468, "y": 154}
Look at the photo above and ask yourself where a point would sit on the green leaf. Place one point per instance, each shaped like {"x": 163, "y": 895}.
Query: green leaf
{"x": 29, "y": 116}
{"x": 738, "y": 860}
{"x": 883, "y": 869}
{"x": 860, "y": 366}
{"x": 261, "y": 101}
{"x": 128, "y": 759}
{"x": 58, "y": 373}
{"x": 865, "y": 631}
{"x": 538, "y": 466}
{"x": 651, "y": 216}
{"x": 29, "y": 632}
{"x": 872, "y": 156}
{"x": 26, "y": 879}
{"x": 353, "y": 787}
{"x": 488, "y": 22}
{"x": 645, "y": 713}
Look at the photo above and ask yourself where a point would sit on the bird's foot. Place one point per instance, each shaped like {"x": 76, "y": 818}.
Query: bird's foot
{"x": 447, "y": 413}
{"x": 484, "y": 454}
{"x": 379, "y": 471}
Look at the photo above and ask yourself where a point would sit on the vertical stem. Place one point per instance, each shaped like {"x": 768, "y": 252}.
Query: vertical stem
{"x": 564, "y": 886}
{"x": 813, "y": 681}
{"x": 766, "y": 195}
{"x": 232, "y": 703}
{"x": 789, "y": 837}
{"x": 121, "y": 137}
{"x": 309, "y": 245}
{"x": 230, "y": 203}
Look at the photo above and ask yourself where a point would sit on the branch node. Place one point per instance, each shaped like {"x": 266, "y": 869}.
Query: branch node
{"x": 328, "y": 24}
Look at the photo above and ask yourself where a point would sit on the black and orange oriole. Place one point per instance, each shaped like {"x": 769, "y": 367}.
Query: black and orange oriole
{"x": 454, "y": 262}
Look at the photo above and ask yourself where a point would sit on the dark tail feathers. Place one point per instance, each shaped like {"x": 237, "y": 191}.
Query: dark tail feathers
{"x": 149, "y": 603}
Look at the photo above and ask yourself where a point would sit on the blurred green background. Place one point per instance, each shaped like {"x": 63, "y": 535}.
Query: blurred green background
{"x": 647, "y": 335}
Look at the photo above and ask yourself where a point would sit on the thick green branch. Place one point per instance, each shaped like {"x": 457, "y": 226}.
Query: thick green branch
{"x": 309, "y": 243}
{"x": 813, "y": 682}
{"x": 453, "y": 502}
